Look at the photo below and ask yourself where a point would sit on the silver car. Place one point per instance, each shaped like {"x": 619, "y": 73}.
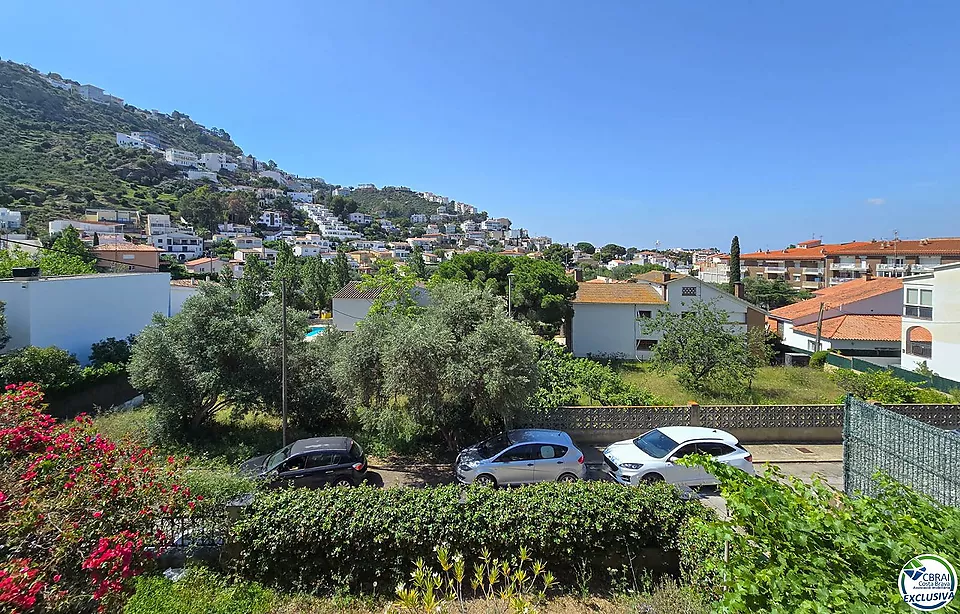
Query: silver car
{"x": 522, "y": 456}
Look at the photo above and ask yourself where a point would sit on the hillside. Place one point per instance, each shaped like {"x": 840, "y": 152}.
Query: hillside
{"x": 397, "y": 203}
{"x": 58, "y": 153}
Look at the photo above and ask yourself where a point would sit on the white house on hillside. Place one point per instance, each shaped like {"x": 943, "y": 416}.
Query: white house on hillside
{"x": 608, "y": 316}
{"x": 77, "y": 311}
{"x": 931, "y": 321}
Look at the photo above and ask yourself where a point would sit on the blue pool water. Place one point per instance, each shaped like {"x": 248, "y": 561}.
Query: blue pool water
{"x": 316, "y": 330}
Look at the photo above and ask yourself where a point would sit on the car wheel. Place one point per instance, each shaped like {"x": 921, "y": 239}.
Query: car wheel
{"x": 486, "y": 480}
{"x": 652, "y": 478}
{"x": 345, "y": 482}
{"x": 568, "y": 478}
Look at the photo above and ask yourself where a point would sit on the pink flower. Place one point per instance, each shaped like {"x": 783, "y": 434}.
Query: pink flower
{"x": 97, "y": 514}
{"x": 56, "y": 578}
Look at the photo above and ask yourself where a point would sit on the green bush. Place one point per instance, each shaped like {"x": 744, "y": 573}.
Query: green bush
{"x": 51, "y": 367}
{"x": 217, "y": 486}
{"x": 884, "y": 387}
{"x": 797, "y": 547}
{"x": 818, "y": 359}
{"x": 315, "y": 540}
{"x": 199, "y": 592}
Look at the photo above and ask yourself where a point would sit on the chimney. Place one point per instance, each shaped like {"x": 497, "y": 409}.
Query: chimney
{"x": 868, "y": 276}
{"x": 738, "y": 289}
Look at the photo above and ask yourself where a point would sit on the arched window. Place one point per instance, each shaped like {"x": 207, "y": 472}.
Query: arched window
{"x": 919, "y": 342}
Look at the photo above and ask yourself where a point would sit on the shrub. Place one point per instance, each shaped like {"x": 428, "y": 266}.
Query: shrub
{"x": 77, "y": 511}
{"x": 315, "y": 540}
{"x": 796, "y": 547}
{"x": 111, "y": 350}
{"x": 884, "y": 387}
{"x": 50, "y": 367}
{"x": 818, "y": 359}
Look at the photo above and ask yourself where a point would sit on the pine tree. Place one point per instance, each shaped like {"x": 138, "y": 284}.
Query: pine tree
{"x": 735, "y": 260}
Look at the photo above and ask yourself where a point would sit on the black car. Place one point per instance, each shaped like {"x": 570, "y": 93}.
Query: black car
{"x": 310, "y": 463}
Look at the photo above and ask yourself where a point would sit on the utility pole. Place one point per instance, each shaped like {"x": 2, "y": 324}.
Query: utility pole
{"x": 283, "y": 355}
{"x": 819, "y": 326}
{"x": 510, "y": 295}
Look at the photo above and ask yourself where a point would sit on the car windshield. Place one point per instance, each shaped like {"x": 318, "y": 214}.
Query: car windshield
{"x": 494, "y": 445}
{"x": 277, "y": 457}
{"x": 655, "y": 444}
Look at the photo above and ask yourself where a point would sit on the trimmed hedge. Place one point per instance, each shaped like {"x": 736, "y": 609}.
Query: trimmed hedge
{"x": 316, "y": 540}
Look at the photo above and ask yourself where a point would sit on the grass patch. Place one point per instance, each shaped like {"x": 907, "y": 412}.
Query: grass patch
{"x": 772, "y": 386}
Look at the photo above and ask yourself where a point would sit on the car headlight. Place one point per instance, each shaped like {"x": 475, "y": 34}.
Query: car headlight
{"x": 631, "y": 465}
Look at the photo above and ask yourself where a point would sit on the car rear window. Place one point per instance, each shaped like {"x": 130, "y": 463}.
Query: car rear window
{"x": 551, "y": 451}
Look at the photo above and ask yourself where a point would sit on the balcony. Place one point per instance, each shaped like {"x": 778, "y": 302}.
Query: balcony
{"x": 836, "y": 281}
{"x": 848, "y": 266}
{"x": 917, "y": 269}
{"x": 811, "y": 284}
{"x": 896, "y": 268}
{"x": 812, "y": 271}
{"x": 778, "y": 270}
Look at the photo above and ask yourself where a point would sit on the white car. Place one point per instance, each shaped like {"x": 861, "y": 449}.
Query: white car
{"x": 652, "y": 456}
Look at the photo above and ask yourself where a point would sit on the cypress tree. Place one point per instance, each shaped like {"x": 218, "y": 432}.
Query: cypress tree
{"x": 735, "y": 260}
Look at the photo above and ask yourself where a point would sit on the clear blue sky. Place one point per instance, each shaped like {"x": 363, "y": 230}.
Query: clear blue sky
{"x": 626, "y": 122}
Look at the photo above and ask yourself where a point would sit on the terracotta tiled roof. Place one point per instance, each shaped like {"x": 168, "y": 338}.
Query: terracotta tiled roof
{"x": 919, "y": 333}
{"x": 352, "y": 291}
{"x": 805, "y": 253}
{"x": 200, "y": 261}
{"x": 841, "y": 294}
{"x": 642, "y": 294}
{"x": 659, "y": 277}
{"x": 856, "y": 327}
{"x": 935, "y": 247}
{"x": 125, "y": 247}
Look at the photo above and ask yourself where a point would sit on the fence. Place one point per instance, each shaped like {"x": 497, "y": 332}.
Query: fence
{"x": 919, "y": 455}
{"x": 749, "y": 423}
{"x": 936, "y": 382}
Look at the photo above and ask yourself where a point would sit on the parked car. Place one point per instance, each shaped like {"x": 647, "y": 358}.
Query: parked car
{"x": 310, "y": 463}
{"x": 653, "y": 456}
{"x": 522, "y": 456}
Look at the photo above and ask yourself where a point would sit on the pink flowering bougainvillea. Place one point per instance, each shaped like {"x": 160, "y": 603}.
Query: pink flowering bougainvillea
{"x": 78, "y": 512}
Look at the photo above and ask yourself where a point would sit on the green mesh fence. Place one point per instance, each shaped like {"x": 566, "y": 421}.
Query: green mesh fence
{"x": 921, "y": 456}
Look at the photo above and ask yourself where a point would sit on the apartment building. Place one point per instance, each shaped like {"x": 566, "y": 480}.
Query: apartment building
{"x": 418, "y": 218}
{"x": 363, "y": 219}
{"x": 129, "y": 218}
{"x": 150, "y": 138}
{"x": 183, "y": 246}
{"x": 896, "y": 258}
{"x": 128, "y": 141}
{"x": 342, "y": 192}
{"x": 158, "y": 224}
{"x": 931, "y": 321}
{"x": 215, "y": 162}
{"x": 271, "y": 219}
{"x": 180, "y": 157}
{"x": 264, "y": 253}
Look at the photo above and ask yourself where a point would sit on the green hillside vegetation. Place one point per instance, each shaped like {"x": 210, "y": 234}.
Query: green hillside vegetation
{"x": 58, "y": 154}
{"x": 396, "y": 202}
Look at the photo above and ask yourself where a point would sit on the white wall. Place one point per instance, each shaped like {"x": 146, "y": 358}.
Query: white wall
{"x": 944, "y": 327}
{"x": 707, "y": 293}
{"x": 74, "y": 312}
{"x": 609, "y": 329}
{"x": 348, "y": 311}
{"x": 179, "y": 294}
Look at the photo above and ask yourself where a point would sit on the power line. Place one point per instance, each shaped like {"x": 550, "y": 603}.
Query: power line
{"x": 69, "y": 253}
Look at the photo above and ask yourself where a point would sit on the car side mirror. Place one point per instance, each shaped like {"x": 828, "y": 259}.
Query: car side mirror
{"x": 674, "y": 459}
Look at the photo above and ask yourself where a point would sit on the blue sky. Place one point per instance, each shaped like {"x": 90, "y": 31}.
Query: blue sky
{"x": 626, "y": 122}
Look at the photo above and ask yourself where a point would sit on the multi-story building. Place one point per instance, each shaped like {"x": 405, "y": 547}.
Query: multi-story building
{"x": 418, "y": 218}
{"x": 342, "y": 191}
{"x": 181, "y": 245}
{"x": 264, "y": 253}
{"x": 150, "y": 138}
{"x": 129, "y": 218}
{"x": 248, "y": 163}
{"x": 205, "y": 265}
{"x": 229, "y": 231}
{"x": 128, "y": 141}
{"x": 247, "y": 242}
{"x": 804, "y": 266}
{"x": 9, "y": 220}
{"x": 892, "y": 258}
{"x": 216, "y": 162}
{"x": 387, "y": 225}
{"x": 57, "y": 226}
{"x": 301, "y": 197}
{"x": 489, "y": 225}
{"x": 366, "y": 186}
{"x": 930, "y": 328}
{"x": 363, "y": 219}
{"x": 158, "y": 224}
{"x": 469, "y": 226}
{"x": 369, "y": 245}
{"x": 123, "y": 256}
{"x": 271, "y": 219}
{"x": 180, "y": 157}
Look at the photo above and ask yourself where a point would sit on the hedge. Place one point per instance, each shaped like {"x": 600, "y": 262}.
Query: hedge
{"x": 316, "y": 540}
